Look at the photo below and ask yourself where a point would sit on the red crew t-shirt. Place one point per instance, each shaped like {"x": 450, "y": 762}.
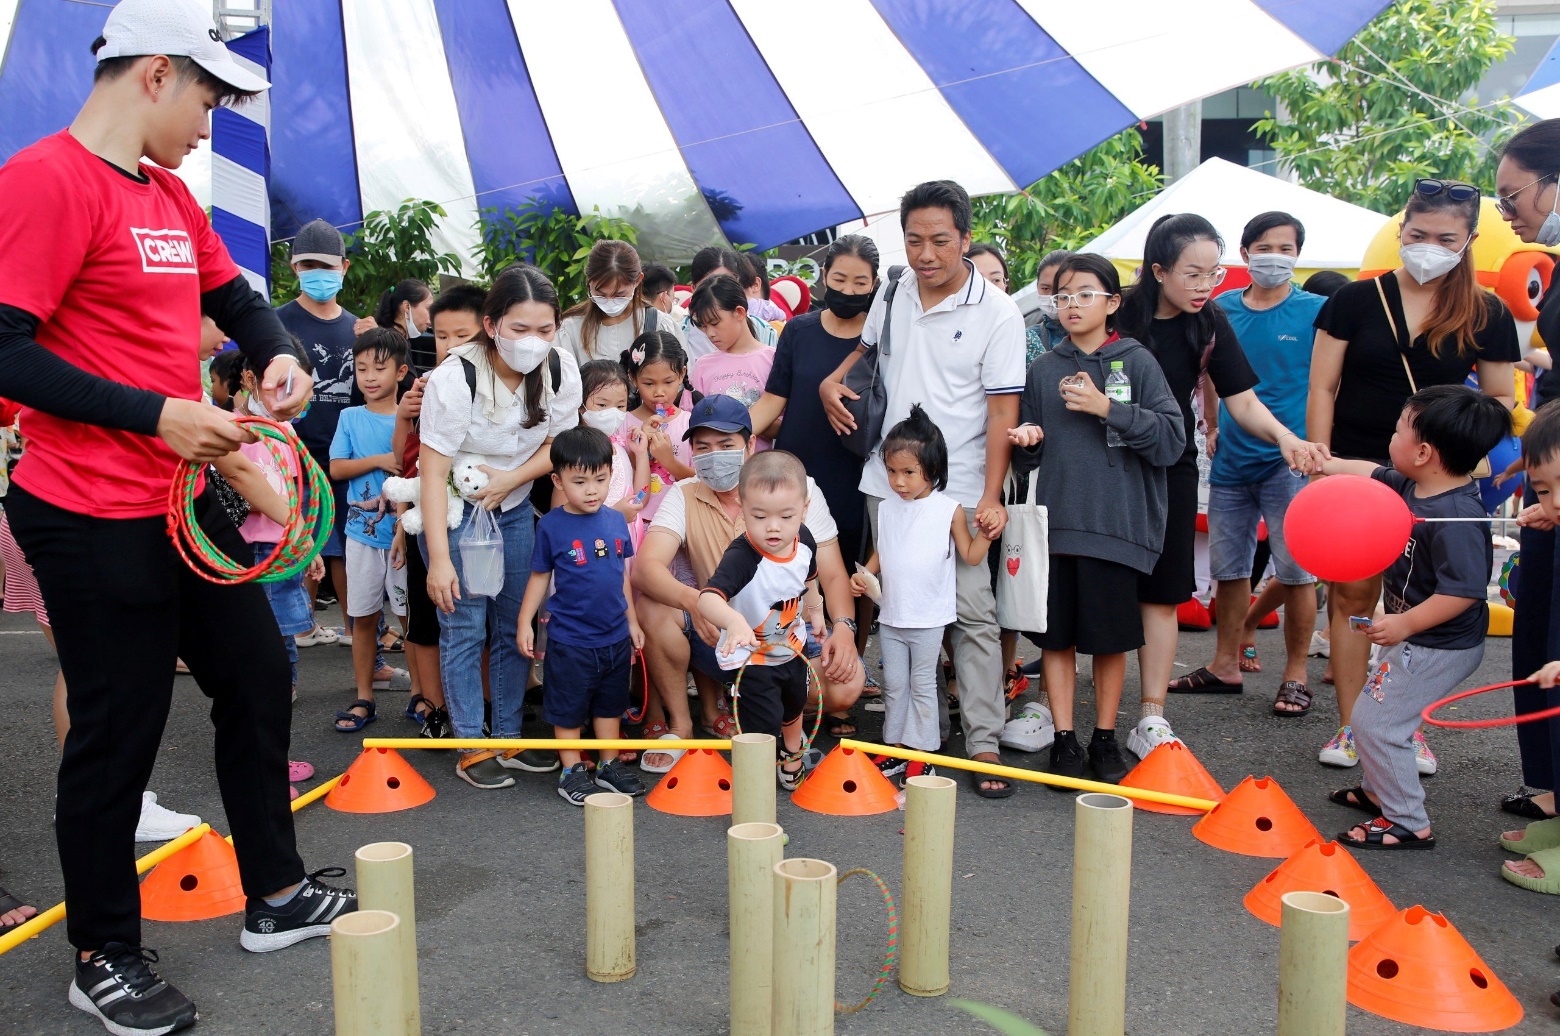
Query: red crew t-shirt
{"x": 113, "y": 269}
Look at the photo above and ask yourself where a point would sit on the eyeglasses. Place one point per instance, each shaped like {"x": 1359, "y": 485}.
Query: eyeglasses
{"x": 1505, "y": 204}
{"x": 1212, "y": 279}
{"x": 1080, "y": 300}
{"x": 1453, "y": 189}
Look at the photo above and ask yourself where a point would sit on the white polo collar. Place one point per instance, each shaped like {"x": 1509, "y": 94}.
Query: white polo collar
{"x": 973, "y": 293}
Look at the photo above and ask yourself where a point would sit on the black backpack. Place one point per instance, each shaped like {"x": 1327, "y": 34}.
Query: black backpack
{"x": 541, "y": 489}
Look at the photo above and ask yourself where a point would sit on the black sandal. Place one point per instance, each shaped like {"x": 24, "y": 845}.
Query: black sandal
{"x": 1522, "y": 805}
{"x": 1202, "y": 681}
{"x": 1376, "y": 832}
{"x": 835, "y": 726}
{"x": 9, "y": 903}
{"x": 1292, "y": 692}
{"x": 1355, "y": 798}
{"x": 977, "y": 778}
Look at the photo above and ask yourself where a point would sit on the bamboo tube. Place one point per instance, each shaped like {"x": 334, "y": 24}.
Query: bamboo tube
{"x": 804, "y": 892}
{"x": 752, "y": 850}
{"x": 385, "y": 882}
{"x": 609, "y": 887}
{"x": 1313, "y": 965}
{"x": 753, "y": 779}
{"x": 365, "y": 962}
{"x": 928, "y": 888}
{"x": 547, "y": 744}
{"x": 1102, "y": 883}
{"x": 1015, "y": 773}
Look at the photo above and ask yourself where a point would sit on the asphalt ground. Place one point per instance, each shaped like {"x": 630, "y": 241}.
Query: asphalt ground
{"x": 500, "y": 882}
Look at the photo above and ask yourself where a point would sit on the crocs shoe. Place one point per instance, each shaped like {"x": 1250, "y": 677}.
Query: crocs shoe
{"x": 1424, "y": 759}
{"x": 1340, "y": 750}
{"x": 1032, "y": 730}
{"x": 318, "y": 635}
{"x": 390, "y": 678}
{"x": 159, "y": 823}
{"x": 1149, "y": 734}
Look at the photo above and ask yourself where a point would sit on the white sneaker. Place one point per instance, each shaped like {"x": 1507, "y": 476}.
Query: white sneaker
{"x": 398, "y": 680}
{"x": 1321, "y": 647}
{"x": 1032, "y": 730}
{"x": 318, "y": 635}
{"x": 1424, "y": 759}
{"x": 1149, "y": 734}
{"x": 1340, "y": 750}
{"x": 159, "y": 823}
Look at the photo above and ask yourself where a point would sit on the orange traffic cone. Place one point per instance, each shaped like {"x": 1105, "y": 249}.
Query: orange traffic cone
{"x": 1257, "y": 819}
{"x": 698, "y": 786}
{"x": 380, "y": 781}
{"x": 1174, "y": 769}
{"x": 198, "y": 882}
{"x": 847, "y": 784}
{"x": 1323, "y": 867}
{"x": 1419, "y": 970}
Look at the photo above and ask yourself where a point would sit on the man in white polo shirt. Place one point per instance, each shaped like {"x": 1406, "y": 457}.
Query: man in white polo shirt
{"x": 958, "y": 351}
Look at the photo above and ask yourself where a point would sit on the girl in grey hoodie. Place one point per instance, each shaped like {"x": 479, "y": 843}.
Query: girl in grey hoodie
{"x": 1098, "y": 453}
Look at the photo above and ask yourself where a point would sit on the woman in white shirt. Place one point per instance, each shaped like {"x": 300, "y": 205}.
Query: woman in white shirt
{"x": 502, "y": 396}
{"x": 617, "y": 312}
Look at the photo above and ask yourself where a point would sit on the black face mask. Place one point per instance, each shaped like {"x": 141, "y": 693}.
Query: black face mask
{"x": 845, "y": 305}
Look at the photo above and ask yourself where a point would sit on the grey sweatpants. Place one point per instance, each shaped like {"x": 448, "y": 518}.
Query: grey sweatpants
{"x": 977, "y": 649}
{"x": 1408, "y": 677}
{"x": 910, "y": 685}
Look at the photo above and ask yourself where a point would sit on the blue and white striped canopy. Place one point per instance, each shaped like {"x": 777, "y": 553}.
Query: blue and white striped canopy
{"x": 1541, "y": 94}
{"x": 753, "y": 120}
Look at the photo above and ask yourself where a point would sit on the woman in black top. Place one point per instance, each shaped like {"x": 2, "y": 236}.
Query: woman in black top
{"x": 1377, "y": 342}
{"x": 1169, "y": 310}
{"x": 1528, "y": 185}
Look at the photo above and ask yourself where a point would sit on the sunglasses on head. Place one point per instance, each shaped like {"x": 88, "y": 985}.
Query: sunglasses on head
{"x": 1453, "y": 189}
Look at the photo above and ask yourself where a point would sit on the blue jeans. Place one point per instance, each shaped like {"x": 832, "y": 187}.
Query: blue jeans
{"x": 1233, "y": 512}
{"x": 290, "y": 604}
{"x": 492, "y": 620}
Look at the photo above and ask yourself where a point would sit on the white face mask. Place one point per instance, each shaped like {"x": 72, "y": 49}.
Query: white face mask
{"x": 258, "y": 408}
{"x": 611, "y": 307}
{"x": 1047, "y": 306}
{"x": 1425, "y": 261}
{"x": 1271, "y": 269}
{"x": 411, "y": 325}
{"x": 523, "y": 354}
{"x": 1549, "y": 232}
{"x": 606, "y": 421}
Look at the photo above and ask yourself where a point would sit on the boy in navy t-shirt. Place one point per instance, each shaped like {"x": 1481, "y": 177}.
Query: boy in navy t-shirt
{"x": 583, "y": 548}
{"x": 1433, "y": 632}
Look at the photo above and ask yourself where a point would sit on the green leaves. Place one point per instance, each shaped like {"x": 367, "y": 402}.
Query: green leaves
{"x": 552, "y": 239}
{"x": 387, "y": 248}
{"x": 1005, "y": 1022}
{"x": 1397, "y": 103}
{"x": 1071, "y": 206}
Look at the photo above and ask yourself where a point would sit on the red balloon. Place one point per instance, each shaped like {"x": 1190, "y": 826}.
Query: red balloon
{"x": 1346, "y": 527}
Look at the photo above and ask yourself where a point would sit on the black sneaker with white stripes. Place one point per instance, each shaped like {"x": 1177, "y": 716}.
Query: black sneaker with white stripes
{"x": 305, "y": 916}
{"x": 118, "y": 987}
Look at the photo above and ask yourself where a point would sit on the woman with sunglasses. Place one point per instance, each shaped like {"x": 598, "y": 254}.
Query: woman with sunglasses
{"x": 1168, "y": 311}
{"x": 1378, "y": 341}
{"x": 1529, "y": 196}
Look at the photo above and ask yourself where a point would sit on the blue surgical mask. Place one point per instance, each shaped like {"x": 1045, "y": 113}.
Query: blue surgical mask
{"x": 320, "y": 285}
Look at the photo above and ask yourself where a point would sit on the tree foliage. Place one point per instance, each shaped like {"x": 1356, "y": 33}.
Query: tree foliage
{"x": 553, "y": 239}
{"x": 1069, "y": 207}
{"x": 1397, "y": 103}
{"x": 387, "y": 248}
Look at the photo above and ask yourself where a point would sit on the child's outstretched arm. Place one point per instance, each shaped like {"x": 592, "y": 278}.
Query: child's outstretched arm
{"x": 714, "y": 608}
{"x": 972, "y": 548}
{"x": 1335, "y": 466}
{"x": 535, "y": 593}
{"x": 249, "y": 482}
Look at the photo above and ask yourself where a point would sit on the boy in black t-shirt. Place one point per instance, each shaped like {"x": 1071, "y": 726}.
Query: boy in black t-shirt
{"x": 1435, "y": 601}
{"x": 755, "y": 597}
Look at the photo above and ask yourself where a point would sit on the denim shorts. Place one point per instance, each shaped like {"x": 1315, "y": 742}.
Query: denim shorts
{"x": 1233, "y": 512}
{"x": 289, "y": 600}
{"x": 701, "y": 656}
{"x": 582, "y": 683}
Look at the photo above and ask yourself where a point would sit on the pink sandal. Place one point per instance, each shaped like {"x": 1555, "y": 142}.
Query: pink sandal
{"x": 298, "y": 771}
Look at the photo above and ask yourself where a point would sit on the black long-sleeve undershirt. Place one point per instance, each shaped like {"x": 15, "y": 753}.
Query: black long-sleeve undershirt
{"x": 35, "y": 377}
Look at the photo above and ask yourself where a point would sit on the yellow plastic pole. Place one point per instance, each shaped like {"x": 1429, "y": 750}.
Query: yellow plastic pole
{"x": 752, "y": 850}
{"x": 753, "y": 779}
{"x": 928, "y": 889}
{"x": 385, "y": 882}
{"x": 1313, "y": 965}
{"x": 1102, "y": 883}
{"x": 365, "y": 963}
{"x": 1033, "y": 776}
{"x": 504, "y": 744}
{"x": 609, "y": 887}
{"x": 804, "y": 892}
{"x": 36, "y": 924}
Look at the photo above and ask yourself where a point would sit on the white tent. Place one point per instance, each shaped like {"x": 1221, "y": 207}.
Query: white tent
{"x": 1227, "y": 195}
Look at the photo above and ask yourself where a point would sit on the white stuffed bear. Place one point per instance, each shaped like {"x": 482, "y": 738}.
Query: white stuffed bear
{"x": 464, "y": 472}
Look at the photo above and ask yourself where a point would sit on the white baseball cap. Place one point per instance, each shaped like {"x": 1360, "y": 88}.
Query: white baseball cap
{"x": 176, "y": 28}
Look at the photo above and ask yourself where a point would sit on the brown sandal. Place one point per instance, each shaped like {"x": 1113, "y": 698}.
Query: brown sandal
{"x": 1292, "y": 692}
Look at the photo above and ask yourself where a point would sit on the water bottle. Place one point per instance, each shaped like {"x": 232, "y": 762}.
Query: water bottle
{"x": 1119, "y": 388}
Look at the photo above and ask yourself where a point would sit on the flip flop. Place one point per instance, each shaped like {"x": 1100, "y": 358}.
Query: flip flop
{"x": 1536, "y": 837}
{"x": 1249, "y": 662}
{"x": 9, "y": 903}
{"x": 1201, "y": 681}
{"x": 1549, "y": 884}
{"x": 1377, "y": 830}
{"x": 1522, "y": 805}
{"x": 676, "y": 754}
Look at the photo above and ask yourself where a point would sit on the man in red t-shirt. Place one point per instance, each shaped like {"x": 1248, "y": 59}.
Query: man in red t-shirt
{"x": 106, "y": 266}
